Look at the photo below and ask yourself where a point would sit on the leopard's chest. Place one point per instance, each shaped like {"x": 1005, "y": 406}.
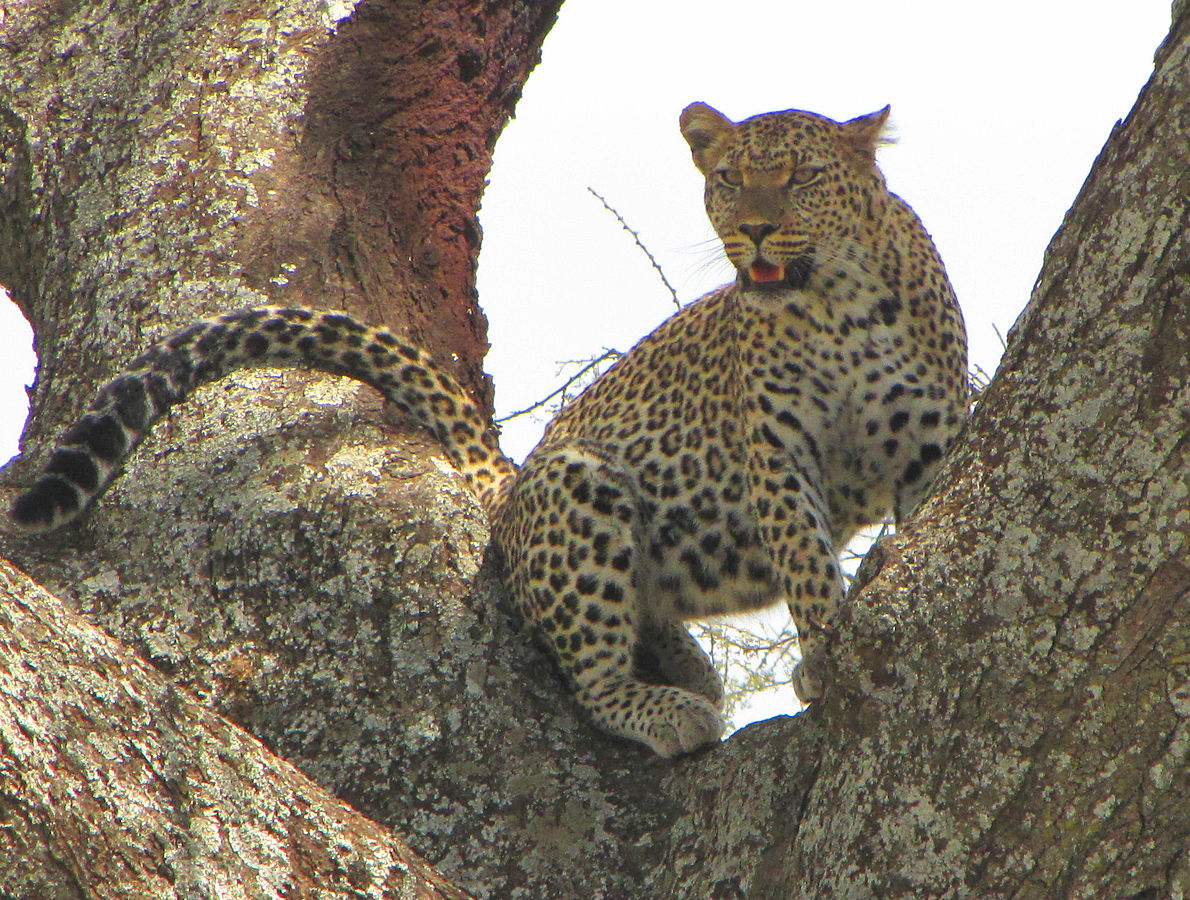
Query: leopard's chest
{"x": 776, "y": 408}
{"x": 824, "y": 384}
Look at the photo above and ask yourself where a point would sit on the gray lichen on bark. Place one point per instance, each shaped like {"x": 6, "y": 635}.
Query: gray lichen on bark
{"x": 1009, "y": 713}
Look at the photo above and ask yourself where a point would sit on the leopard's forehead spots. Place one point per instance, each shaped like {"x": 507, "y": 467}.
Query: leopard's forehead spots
{"x": 773, "y": 140}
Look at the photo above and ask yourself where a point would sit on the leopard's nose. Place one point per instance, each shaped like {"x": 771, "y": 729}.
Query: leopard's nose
{"x": 758, "y": 231}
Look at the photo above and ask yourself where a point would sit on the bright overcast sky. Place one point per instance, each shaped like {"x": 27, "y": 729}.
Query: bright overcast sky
{"x": 999, "y": 111}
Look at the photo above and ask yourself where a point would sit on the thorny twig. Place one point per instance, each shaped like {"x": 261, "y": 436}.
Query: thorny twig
{"x": 603, "y": 357}
{"x": 607, "y": 353}
{"x": 636, "y": 237}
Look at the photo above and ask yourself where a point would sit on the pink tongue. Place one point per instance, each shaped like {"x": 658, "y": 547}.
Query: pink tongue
{"x": 763, "y": 272}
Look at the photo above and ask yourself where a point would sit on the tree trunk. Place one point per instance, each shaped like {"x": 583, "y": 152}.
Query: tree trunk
{"x": 1010, "y": 710}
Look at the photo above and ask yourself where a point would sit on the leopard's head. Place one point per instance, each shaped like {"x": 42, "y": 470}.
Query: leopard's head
{"x": 784, "y": 189}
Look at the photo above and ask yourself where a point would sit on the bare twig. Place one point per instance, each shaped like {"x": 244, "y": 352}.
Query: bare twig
{"x": 636, "y": 237}
{"x": 603, "y": 357}
{"x": 1003, "y": 343}
{"x": 607, "y": 353}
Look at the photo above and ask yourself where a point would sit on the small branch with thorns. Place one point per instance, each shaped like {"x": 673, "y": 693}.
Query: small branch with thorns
{"x": 639, "y": 243}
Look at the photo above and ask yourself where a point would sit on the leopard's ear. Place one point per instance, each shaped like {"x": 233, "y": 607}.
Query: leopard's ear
{"x": 863, "y": 134}
{"x": 706, "y": 130}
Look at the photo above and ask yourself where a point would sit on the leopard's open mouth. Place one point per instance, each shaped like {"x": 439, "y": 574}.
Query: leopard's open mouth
{"x": 793, "y": 274}
{"x": 762, "y": 272}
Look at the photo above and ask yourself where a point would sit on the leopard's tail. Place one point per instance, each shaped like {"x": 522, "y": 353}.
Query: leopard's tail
{"x": 89, "y": 456}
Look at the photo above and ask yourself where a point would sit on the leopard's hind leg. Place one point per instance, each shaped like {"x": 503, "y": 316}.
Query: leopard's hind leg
{"x": 570, "y": 536}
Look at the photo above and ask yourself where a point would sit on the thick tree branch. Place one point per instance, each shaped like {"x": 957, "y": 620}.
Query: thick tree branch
{"x": 115, "y": 783}
{"x": 1009, "y": 714}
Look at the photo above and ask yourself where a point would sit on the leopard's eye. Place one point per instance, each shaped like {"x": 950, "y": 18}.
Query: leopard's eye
{"x": 730, "y": 177}
{"x": 804, "y": 175}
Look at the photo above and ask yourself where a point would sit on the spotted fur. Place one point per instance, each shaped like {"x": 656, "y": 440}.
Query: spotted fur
{"x": 719, "y": 466}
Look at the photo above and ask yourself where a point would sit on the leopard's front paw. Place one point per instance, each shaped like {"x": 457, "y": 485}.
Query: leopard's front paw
{"x": 809, "y": 675}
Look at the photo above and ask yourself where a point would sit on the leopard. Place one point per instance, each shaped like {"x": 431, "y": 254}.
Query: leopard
{"x": 718, "y": 467}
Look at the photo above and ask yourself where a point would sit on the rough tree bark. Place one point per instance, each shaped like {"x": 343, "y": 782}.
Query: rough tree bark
{"x": 1010, "y": 714}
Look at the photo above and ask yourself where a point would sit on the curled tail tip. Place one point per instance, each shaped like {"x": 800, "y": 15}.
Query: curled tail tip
{"x": 77, "y": 472}
{"x": 49, "y": 504}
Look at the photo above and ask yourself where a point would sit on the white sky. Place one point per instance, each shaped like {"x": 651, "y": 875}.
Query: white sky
{"x": 1000, "y": 111}
{"x": 999, "y": 116}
